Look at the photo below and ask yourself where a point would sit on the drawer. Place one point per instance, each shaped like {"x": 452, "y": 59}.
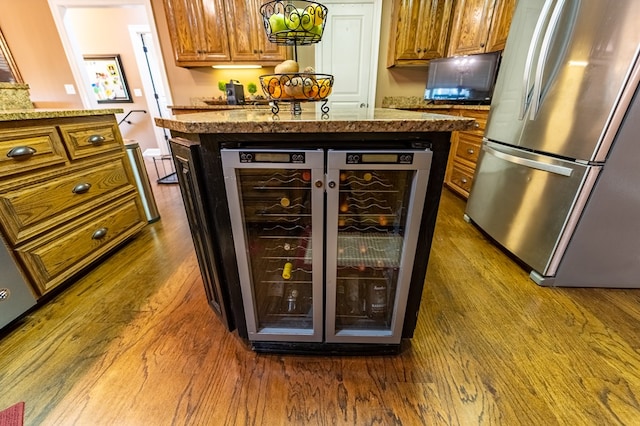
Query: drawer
{"x": 28, "y": 149}
{"x": 51, "y": 200}
{"x": 460, "y": 179}
{"x": 91, "y": 138}
{"x": 468, "y": 148}
{"x": 59, "y": 255}
{"x": 479, "y": 116}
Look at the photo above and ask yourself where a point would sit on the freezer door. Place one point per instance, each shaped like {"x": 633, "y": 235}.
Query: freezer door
{"x": 529, "y": 203}
{"x": 514, "y": 86}
{"x": 585, "y": 77}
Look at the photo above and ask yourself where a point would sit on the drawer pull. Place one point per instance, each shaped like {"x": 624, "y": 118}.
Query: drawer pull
{"x": 463, "y": 180}
{"x": 21, "y": 152}
{"x": 470, "y": 151}
{"x": 96, "y": 139}
{"x": 99, "y": 234}
{"x": 81, "y": 188}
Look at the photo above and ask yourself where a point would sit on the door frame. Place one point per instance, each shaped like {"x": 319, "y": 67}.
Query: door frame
{"x": 74, "y": 56}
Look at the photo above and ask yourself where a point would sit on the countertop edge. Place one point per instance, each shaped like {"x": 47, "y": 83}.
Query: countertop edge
{"x": 32, "y": 114}
{"x": 222, "y": 123}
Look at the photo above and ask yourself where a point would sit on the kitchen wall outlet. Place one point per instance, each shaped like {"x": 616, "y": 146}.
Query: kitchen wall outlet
{"x": 69, "y": 89}
{"x": 137, "y": 92}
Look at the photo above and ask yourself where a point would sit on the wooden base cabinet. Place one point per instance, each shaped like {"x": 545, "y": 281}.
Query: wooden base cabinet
{"x": 186, "y": 156}
{"x": 67, "y": 195}
{"x": 465, "y": 148}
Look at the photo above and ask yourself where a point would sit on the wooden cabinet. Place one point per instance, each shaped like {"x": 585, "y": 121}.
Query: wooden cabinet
{"x": 465, "y": 148}
{"x": 480, "y": 26}
{"x": 198, "y": 31}
{"x": 67, "y": 195}
{"x": 419, "y": 31}
{"x": 500, "y": 24}
{"x": 209, "y": 32}
{"x": 186, "y": 158}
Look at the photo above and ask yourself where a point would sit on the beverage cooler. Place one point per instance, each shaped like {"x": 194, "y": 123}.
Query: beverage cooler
{"x": 325, "y": 241}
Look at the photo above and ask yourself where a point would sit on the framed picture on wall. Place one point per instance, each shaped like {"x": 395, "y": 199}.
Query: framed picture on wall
{"x": 8, "y": 70}
{"x": 108, "y": 82}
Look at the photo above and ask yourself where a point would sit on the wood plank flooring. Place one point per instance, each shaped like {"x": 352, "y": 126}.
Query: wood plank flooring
{"x": 134, "y": 342}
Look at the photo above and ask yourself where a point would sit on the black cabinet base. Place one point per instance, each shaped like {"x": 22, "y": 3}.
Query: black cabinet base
{"x": 304, "y": 348}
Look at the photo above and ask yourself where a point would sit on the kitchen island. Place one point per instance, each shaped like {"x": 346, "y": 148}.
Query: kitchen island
{"x": 378, "y": 144}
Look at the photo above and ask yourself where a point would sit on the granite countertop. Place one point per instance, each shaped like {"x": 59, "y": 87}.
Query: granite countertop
{"x": 218, "y": 107}
{"x": 350, "y": 121}
{"x": 31, "y": 114}
{"x": 416, "y": 102}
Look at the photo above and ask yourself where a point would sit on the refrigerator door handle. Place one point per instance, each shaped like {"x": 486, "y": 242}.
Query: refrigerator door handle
{"x": 544, "y": 53}
{"x": 546, "y": 8}
{"x": 552, "y": 168}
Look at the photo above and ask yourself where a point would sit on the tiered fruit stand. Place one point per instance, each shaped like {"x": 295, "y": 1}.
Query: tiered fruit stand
{"x": 295, "y": 23}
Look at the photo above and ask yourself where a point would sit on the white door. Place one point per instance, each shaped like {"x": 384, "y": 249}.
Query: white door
{"x": 349, "y": 51}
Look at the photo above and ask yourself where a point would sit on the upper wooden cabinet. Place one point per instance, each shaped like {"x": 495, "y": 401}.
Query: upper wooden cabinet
{"x": 209, "y": 32}
{"x": 198, "y": 31}
{"x": 480, "y": 26}
{"x": 500, "y": 24}
{"x": 422, "y": 30}
{"x": 419, "y": 31}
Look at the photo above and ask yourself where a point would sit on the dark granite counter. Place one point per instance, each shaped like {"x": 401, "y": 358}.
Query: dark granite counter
{"x": 379, "y": 120}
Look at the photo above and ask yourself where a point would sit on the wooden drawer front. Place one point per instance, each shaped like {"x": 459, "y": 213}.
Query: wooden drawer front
{"x": 27, "y": 211}
{"x": 86, "y": 139}
{"x": 468, "y": 148}
{"x": 30, "y": 149}
{"x": 56, "y": 257}
{"x": 461, "y": 179}
{"x": 479, "y": 116}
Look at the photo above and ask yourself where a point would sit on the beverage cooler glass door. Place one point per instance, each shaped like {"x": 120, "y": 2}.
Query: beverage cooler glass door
{"x": 374, "y": 207}
{"x": 276, "y": 203}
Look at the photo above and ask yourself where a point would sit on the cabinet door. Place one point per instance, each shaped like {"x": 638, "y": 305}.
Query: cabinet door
{"x": 268, "y": 51}
{"x": 470, "y": 29}
{"x": 500, "y": 24}
{"x": 243, "y": 35}
{"x": 419, "y": 31}
{"x": 247, "y": 36}
{"x": 198, "y": 31}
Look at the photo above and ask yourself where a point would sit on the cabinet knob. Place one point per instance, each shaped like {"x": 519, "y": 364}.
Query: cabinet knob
{"x": 419, "y": 50}
{"x": 470, "y": 151}
{"x": 481, "y": 44}
{"x": 96, "y": 139}
{"x": 99, "y": 234}
{"x": 81, "y": 188}
{"x": 463, "y": 180}
{"x": 255, "y": 50}
{"x": 21, "y": 152}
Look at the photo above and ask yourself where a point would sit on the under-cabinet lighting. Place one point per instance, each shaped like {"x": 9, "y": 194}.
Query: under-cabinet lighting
{"x": 578, "y": 63}
{"x": 235, "y": 67}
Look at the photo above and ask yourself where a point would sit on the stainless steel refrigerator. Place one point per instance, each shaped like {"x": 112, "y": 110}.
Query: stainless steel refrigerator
{"x": 558, "y": 180}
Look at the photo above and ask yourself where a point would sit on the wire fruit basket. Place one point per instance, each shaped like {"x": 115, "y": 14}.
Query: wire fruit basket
{"x": 298, "y": 87}
{"x": 295, "y": 23}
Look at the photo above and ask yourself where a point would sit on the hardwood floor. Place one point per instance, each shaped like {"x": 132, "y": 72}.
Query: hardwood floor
{"x": 134, "y": 342}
